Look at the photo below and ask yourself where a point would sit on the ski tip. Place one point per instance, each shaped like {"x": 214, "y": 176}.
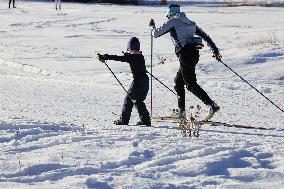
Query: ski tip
{"x": 207, "y": 119}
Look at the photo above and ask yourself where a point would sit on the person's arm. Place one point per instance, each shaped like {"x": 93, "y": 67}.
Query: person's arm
{"x": 206, "y": 37}
{"x": 165, "y": 28}
{"x": 203, "y": 35}
{"x": 123, "y": 58}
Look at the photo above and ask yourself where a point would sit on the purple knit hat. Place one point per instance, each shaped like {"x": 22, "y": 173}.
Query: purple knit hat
{"x": 133, "y": 44}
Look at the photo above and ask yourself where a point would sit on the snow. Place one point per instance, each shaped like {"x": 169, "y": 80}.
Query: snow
{"x": 57, "y": 100}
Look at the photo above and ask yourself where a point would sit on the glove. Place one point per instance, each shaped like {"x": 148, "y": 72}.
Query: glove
{"x": 152, "y": 23}
{"x": 102, "y": 57}
{"x": 217, "y": 55}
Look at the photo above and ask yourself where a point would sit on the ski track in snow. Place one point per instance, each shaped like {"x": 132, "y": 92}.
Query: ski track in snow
{"x": 56, "y": 126}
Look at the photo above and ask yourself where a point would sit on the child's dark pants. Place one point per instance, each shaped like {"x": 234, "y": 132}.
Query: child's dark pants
{"x": 137, "y": 92}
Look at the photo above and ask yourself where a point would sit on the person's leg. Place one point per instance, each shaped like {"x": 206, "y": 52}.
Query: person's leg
{"x": 143, "y": 112}
{"x": 14, "y": 4}
{"x": 139, "y": 92}
{"x": 188, "y": 60}
{"x": 127, "y": 107}
{"x": 179, "y": 88}
{"x": 59, "y": 4}
{"x": 126, "y": 111}
{"x": 10, "y": 3}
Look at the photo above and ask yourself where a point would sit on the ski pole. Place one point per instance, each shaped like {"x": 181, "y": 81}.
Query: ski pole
{"x": 161, "y": 82}
{"x": 134, "y": 101}
{"x": 251, "y": 86}
{"x": 151, "y": 72}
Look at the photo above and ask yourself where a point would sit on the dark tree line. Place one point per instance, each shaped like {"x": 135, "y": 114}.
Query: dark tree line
{"x": 133, "y": 2}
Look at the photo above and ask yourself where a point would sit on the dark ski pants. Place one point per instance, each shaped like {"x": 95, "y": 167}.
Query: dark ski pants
{"x": 138, "y": 92}
{"x": 188, "y": 58}
{"x": 10, "y": 1}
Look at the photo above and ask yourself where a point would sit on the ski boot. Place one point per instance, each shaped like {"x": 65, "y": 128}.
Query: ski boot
{"x": 179, "y": 114}
{"x": 147, "y": 123}
{"x": 214, "y": 108}
{"x": 119, "y": 122}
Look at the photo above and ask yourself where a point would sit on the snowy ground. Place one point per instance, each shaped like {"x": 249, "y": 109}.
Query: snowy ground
{"x": 57, "y": 100}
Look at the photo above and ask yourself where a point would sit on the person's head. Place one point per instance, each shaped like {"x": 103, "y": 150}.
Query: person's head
{"x": 133, "y": 44}
{"x": 172, "y": 10}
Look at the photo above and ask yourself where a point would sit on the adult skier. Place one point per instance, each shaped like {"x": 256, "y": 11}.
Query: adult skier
{"x": 10, "y": 1}
{"x": 187, "y": 45}
{"x": 139, "y": 87}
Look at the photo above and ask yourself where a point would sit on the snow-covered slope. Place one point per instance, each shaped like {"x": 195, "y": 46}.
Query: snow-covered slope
{"x": 57, "y": 100}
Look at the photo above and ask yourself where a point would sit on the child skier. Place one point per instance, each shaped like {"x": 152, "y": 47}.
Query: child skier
{"x": 187, "y": 46}
{"x": 139, "y": 87}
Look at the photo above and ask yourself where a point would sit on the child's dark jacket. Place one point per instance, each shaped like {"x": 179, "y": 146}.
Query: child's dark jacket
{"x": 136, "y": 62}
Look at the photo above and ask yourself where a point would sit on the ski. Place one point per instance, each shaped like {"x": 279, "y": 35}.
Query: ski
{"x": 189, "y": 128}
{"x": 165, "y": 118}
{"x": 217, "y": 123}
{"x": 200, "y": 123}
